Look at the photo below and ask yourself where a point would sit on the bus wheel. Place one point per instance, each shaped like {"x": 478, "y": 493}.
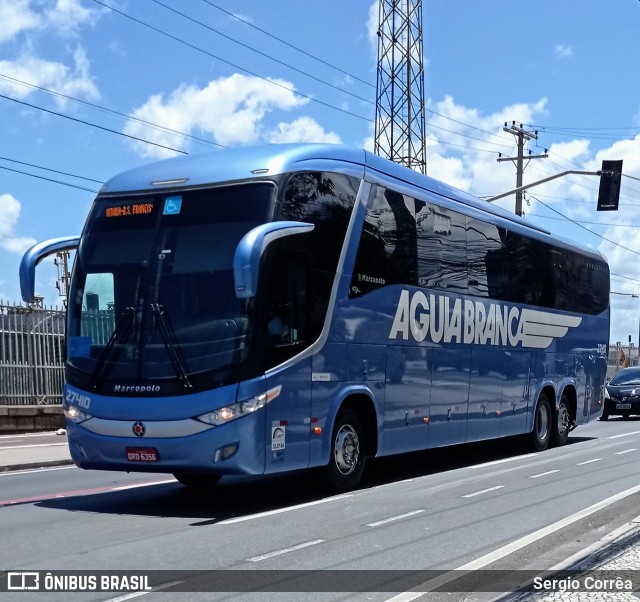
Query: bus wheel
{"x": 346, "y": 464}
{"x": 562, "y": 423}
{"x": 541, "y": 433}
{"x": 196, "y": 480}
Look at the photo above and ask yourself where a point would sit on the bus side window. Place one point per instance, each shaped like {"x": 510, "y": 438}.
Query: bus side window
{"x": 287, "y": 314}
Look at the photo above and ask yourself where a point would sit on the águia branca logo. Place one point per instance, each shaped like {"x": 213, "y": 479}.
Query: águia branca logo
{"x": 442, "y": 319}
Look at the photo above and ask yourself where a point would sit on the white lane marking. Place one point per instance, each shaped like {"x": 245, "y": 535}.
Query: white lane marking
{"x": 503, "y": 461}
{"x": 512, "y": 547}
{"x": 589, "y": 461}
{"x": 543, "y": 474}
{"x": 483, "y": 491}
{"x": 624, "y": 435}
{"x": 391, "y": 519}
{"x": 124, "y": 487}
{"x": 393, "y": 483}
{"x": 300, "y": 546}
{"x": 548, "y": 530}
{"x": 241, "y": 519}
{"x": 626, "y": 451}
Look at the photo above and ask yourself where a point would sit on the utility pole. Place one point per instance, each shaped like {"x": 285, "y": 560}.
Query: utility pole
{"x": 521, "y": 135}
{"x": 61, "y": 261}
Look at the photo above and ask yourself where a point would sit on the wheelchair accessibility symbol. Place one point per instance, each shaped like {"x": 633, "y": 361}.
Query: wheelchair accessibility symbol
{"x": 172, "y": 205}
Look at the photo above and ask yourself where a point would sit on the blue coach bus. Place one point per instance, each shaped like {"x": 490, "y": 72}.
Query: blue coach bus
{"x": 266, "y": 309}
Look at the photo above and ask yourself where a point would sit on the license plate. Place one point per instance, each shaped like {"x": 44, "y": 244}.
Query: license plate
{"x": 623, "y": 406}
{"x": 142, "y": 454}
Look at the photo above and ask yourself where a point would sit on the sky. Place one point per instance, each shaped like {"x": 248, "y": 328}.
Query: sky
{"x": 91, "y": 88}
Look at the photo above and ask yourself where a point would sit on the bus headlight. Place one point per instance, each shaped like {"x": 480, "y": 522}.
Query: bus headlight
{"x": 75, "y": 414}
{"x": 239, "y": 409}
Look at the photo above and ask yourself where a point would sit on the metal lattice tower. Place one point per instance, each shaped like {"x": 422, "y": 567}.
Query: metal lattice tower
{"x": 400, "y": 121}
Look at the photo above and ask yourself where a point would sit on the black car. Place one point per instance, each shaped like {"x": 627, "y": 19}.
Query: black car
{"x": 622, "y": 394}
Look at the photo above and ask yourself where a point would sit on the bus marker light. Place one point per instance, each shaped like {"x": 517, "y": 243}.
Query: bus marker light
{"x": 425, "y": 420}
{"x": 229, "y": 450}
{"x": 169, "y": 182}
{"x": 317, "y": 430}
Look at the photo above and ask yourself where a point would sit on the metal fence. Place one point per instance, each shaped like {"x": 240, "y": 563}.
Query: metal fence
{"x": 622, "y": 356}
{"x": 31, "y": 354}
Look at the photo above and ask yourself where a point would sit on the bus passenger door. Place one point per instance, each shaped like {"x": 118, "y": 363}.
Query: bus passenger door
{"x": 287, "y": 334}
{"x": 407, "y": 396}
{"x": 485, "y": 393}
{"x": 449, "y": 395}
{"x": 515, "y": 392}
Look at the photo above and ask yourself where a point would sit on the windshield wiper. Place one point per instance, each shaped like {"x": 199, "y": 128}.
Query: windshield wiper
{"x": 169, "y": 340}
{"x": 123, "y": 328}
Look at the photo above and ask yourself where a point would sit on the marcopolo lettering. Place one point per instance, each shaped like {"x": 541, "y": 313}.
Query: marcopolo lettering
{"x": 136, "y": 388}
{"x": 442, "y": 319}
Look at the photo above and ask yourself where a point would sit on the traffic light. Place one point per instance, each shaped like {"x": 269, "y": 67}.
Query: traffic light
{"x": 609, "y": 193}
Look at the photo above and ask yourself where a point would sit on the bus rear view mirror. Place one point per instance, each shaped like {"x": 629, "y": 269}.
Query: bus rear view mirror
{"x": 34, "y": 256}
{"x": 246, "y": 261}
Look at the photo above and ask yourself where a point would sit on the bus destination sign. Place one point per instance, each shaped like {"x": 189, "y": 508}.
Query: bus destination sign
{"x": 127, "y": 210}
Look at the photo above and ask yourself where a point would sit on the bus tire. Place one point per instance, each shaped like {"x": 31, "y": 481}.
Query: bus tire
{"x": 346, "y": 464}
{"x": 196, "y": 480}
{"x": 562, "y": 422}
{"x": 541, "y": 433}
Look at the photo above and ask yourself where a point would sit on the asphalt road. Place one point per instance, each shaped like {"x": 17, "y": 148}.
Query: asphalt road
{"x": 489, "y": 506}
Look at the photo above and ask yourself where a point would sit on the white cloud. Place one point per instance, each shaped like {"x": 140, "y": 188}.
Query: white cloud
{"x": 466, "y": 157}
{"x": 9, "y": 215}
{"x": 563, "y": 52}
{"x": 16, "y": 16}
{"x": 230, "y": 110}
{"x": 67, "y": 16}
{"x": 64, "y": 18}
{"x": 303, "y": 129}
{"x": 373, "y": 22}
{"x": 72, "y": 81}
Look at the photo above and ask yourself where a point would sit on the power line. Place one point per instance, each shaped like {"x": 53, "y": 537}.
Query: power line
{"x": 438, "y": 127}
{"x": 63, "y": 173}
{"x": 252, "y": 73}
{"x": 593, "y": 132}
{"x": 112, "y": 111}
{"x": 100, "y": 127}
{"x": 586, "y": 229}
{"x": 355, "y": 77}
{"x": 315, "y": 58}
{"x": 624, "y": 277}
{"x": 604, "y": 224}
{"x": 264, "y": 54}
{"x": 48, "y": 179}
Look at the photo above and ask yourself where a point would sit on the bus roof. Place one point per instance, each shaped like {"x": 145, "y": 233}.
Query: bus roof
{"x": 258, "y": 162}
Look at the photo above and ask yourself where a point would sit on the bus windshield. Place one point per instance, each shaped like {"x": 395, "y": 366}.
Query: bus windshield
{"x": 153, "y": 297}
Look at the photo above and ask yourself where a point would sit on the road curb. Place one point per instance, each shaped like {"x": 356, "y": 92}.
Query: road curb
{"x": 32, "y": 465}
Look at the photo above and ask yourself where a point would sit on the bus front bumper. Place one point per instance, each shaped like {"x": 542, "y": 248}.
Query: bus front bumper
{"x": 228, "y": 449}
